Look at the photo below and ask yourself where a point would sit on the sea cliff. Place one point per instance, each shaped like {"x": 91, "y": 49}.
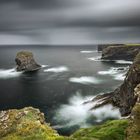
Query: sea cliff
{"x": 120, "y": 52}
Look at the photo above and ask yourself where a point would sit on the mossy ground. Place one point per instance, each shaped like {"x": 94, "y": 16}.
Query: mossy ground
{"x": 25, "y": 124}
{"x": 111, "y": 130}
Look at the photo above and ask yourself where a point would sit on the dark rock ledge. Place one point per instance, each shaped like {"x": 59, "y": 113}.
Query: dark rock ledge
{"x": 123, "y": 97}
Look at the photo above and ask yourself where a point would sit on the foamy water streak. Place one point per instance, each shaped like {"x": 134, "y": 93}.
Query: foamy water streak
{"x": 44, "y": 66}
{"x": 123, "y": 62}
{"x": 86, "y": 80}
{"x": 77, "y": 113}
{"x": 9, "y": 73}
{"x": 118, "y": 73}
{"x": 88, "y": 51}
{"x": 57, "y": 69}
{"x": 97, "y": 58}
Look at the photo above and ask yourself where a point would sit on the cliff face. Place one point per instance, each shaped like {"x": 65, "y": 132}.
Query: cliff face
{"x": 122, "y": 52}
{"x": 25, "y": 62}
{"x": 123, "y": 97}
{"x": 133, "y": 130}
{"x": 25, "y": 124}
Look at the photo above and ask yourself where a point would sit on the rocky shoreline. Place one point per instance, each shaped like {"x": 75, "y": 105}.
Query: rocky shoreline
{"x": 29, "y": 123}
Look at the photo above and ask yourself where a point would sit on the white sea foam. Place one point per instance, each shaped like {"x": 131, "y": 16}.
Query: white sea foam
{"x": 118, "y": 73}
{"x": 120, "y": 77}
{"x": 123, "y": 62}
{"x": 88, "y": 51}
{"x": 97, "y": 58}
{"x": 44, "y": 66}
{"x": 77, "y": 113}
{"x": 57, "y": 69}
{"x": 9, "y": 73}
{"x": 85, "y": 80}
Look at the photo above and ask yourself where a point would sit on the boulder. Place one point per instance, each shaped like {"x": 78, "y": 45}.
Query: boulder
{"x": 25, "y": 62}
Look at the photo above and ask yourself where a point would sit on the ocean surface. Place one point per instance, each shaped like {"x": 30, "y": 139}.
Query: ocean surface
{"x": 70, "y": 75}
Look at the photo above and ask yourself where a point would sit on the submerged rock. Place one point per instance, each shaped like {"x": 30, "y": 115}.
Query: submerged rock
{"x": 25, "y": 62}
{"x": 25, "y": 124}
{"x": 121, "y": 52}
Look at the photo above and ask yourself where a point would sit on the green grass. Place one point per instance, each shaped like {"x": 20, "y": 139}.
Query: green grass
{"x": 132, "y": 44}
{"x": 111, "y": 130}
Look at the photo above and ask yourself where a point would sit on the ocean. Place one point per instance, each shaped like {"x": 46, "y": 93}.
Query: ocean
{"x": 70, "y": 76}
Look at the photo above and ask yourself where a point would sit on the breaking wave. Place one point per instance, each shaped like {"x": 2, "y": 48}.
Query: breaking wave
{"x": 77, "y": 113}
{"x": 118, "y": 73}
{"x": 9, "y": 73}
{"x": 57, "y": 69}
{"x": 86, "y": 80}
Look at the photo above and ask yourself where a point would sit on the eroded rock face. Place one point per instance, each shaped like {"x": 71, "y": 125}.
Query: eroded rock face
{"x": 25, "y": 62}
{"x": 121, "y": 52}
{"x": 133, "y": 130}
{"x": 26, "y": 123}
{"x": 124, "y": 97}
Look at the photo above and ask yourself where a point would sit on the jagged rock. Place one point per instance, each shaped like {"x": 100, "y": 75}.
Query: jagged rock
{"x": 123, "y": 97}
{"x": 27, "y": 123}
{"x": 133, "y": 130}
{"x": 121, "y": 52}
{"x": 25, "y": 62}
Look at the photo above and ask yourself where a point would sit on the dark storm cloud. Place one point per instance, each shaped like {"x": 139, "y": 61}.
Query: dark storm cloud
{"x": 71, "y": 20}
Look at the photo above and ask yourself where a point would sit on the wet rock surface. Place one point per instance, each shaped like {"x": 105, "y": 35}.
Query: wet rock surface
{"x": 25, "y": 62}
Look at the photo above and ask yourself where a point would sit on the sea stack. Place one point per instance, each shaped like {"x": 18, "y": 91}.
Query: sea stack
{"x": 25, "y": 62}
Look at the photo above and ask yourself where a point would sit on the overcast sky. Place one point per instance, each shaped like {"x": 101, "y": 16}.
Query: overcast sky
{"x": 69, "y": 21}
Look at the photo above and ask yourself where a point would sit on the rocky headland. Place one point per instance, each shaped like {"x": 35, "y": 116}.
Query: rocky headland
{"x": 29, "y": 123}
{"x": 25, "y": 62}
{"x": 120, "y": 52}
{"x": 123, "y": 97}
{"x": 103, "y": 46}
{"x": 25, "y": 124}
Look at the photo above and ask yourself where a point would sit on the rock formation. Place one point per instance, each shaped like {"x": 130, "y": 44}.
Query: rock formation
{"x": 103, "y": 46}
{"x": 123, "y": 97}
{"x": 121, "y": 52}
{"x": 133, "y": 130}
{"x": 25, "y": 62}
{"x": 25, "y": 124}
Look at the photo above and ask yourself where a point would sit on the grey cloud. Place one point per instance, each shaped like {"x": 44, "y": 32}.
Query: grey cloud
{"x": 98, "y": 19}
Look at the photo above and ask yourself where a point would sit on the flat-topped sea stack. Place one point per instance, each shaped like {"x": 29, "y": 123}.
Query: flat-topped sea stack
{"x": 121, "y": 52}
{"x": 25, "y": 62}
{"x": 103, "y": 46}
